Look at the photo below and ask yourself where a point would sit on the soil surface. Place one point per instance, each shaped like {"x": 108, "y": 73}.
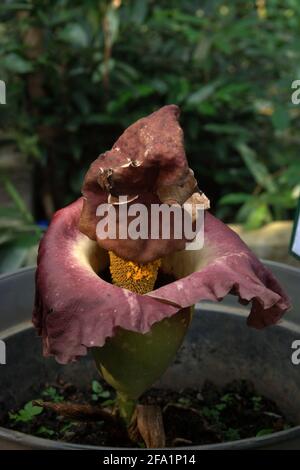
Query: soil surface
{"x": 191, "y": 416}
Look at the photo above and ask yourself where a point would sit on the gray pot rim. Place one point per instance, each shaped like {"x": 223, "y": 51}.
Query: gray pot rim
{"x": 31, "y": 441}
{"x": 246, "y": 444}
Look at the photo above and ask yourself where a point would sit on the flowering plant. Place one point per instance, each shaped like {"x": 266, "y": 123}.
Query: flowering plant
{"x": 135, "y": 319}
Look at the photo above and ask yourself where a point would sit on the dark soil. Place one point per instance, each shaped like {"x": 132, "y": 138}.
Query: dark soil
{"x": 191, "y": 417}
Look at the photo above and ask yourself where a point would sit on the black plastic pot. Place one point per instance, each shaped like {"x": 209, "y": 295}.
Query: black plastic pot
{"x": 219, "y": 347}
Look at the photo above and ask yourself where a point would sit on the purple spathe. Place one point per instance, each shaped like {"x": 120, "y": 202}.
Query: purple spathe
{"x": 75, "y": 309}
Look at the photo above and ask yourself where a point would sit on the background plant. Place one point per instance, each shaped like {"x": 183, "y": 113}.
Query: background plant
{"x": 79, "y": 73}
{"x": 19, "y": 234}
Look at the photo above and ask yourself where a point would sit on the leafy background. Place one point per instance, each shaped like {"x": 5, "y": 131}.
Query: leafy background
{"x": 79, "y": 73}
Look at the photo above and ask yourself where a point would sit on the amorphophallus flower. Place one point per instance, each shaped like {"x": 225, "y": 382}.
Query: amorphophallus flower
{"x": 128, "y": 300}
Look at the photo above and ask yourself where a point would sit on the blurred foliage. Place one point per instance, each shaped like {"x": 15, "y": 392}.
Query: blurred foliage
{"x": 79, "y": 73}
{"x": 19, "y": 235}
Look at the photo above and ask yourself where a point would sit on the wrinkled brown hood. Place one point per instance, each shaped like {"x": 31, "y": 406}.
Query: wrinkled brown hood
{"x": 148, "y": 164}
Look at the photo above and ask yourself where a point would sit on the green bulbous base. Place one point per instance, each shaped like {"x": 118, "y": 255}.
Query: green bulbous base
{"x": 131, "y": 362}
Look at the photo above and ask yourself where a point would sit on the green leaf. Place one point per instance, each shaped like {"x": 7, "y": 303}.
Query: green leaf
{"x": 128, "y": 70}
{"x": 33, "y": 409}
{"x": 226, "y": 129}
{"x": 234, "y": 198}
{"x": 281, "y": 118}
{"x": 27, "y": 413}
{"x": 207, "y": 108}
{"x": 42, "y": 430}
{"x": 66, "y": 427}
{"x": 258, "y": 170}
{"x": 221, "y": 406}
{"x": 6, "y": 236}
{"x": 202, "y": 93}
{"x": 184, "y": 401}
{"x": 258, "y": 217}
{"x": 29, "y": 145}
{"x": 232, "y": 434}
{"x": 75, "y": 34}
{"x": 228, "y": 398}
{"x": 144, "y": 89}
{"x": 96, "y": 386}
{"x": 211, "y": 413}
{"x": 16, "y": 6}
{"x": 8, "y": 212}
{"x": 109, "y": 402}
{"x": 17, "y": 199}
{"x": 26, "y": 240}
{"x": 112, "y": 22}
{"x": 100, "y": 119}
{"x": 17, "y": 250}
{"x": 290, "y": 176}
{"x": 17, "y": 64}
{"x": 12, "y": 258}
{"x": 139, "y": 11}
{"x": 202, "y": 49}
{"x": 53, "y": 394}
{"x": 99, "y": 392}
{"x": 10, "y": 223}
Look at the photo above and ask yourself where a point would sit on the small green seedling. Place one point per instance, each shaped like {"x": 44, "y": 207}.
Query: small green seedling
{"x": 27, "y": 413}
{"x": 211, "y": 413}
{"x": 43, "y": 431}
{"x": 52, "y": 394}
{"x": 220, "y": 406}
{"x": 228, "y": 399}
{"x": 66, "y": 427}
{"x": 184, "y": 401}
{"x": 264, "y": 432}
{"x": 98, "y": 391}
{"x": 214, "y": 413}
{"x": 232, "y": 434}
{"x": 257, "y": 403}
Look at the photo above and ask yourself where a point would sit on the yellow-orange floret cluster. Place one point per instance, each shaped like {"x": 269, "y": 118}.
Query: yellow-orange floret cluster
{"x": 136, "y": 277}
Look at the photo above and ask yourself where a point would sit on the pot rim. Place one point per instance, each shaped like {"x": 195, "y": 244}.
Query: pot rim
{"x": 29, "y": 440}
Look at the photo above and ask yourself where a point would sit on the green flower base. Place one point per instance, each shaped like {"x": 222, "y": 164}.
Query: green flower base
{"x": 131, "y": 362}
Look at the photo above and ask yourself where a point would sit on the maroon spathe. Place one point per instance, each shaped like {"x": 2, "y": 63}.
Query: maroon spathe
{"x": 75, "y": 309}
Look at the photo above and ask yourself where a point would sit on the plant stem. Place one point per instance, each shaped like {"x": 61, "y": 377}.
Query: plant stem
{"x": 126, "y": 407}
